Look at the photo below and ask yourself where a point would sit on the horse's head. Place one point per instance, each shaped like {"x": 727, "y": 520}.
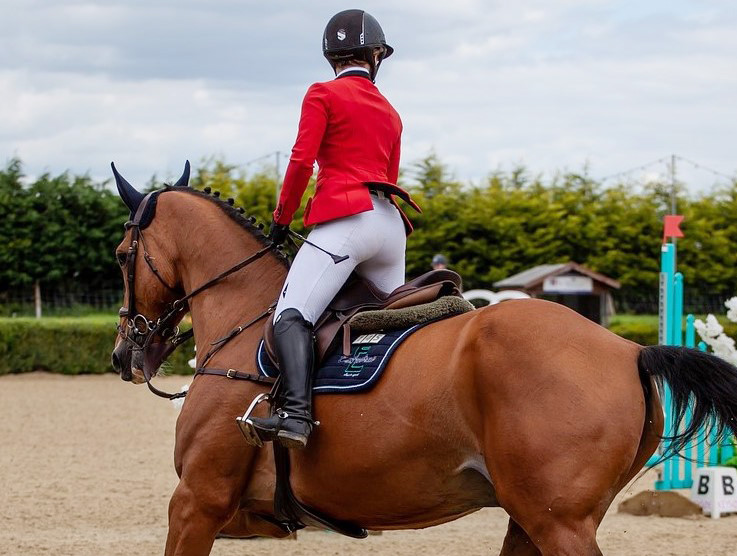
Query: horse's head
{"x": 150, "y": 314}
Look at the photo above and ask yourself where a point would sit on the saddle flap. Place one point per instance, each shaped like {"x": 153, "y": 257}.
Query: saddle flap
{"x": 417, "y": 296}
{"x": 432, "y": 277}
{"x": 357, "y": 292}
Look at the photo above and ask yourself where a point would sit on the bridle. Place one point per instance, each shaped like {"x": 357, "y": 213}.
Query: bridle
{"x": 139, "y": 332}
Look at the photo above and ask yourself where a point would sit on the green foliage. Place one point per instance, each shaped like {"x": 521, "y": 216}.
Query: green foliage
{"x": 643, "y": 329}
{"x": 68, "y": 346}
{"x": 732, "y": 462}
{"x": 83, "y": 345}
{"x": 650, "y": 320}
{"x": 513, "y": 221}
{"x": 255, "y": 192}
{"x": 57, "y": 230}
{"x": 642, "y": 333}
{"x": 433, "y": 178}
{"x": 63, "y": 229}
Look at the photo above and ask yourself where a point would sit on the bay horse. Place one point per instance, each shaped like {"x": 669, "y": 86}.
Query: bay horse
{"x": 524, "y": 405}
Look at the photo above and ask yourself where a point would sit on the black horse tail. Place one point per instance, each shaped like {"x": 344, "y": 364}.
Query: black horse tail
{"x": 702, "y": 381}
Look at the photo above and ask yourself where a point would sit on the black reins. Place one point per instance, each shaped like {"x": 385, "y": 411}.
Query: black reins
{"x": 140, "y": 330}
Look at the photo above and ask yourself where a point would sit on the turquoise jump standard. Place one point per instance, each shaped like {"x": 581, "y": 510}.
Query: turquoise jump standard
{"x": 677, "y": 471}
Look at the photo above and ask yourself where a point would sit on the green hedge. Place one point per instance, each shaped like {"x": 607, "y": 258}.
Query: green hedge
{"x": 68, "y": 345}
{"x": 646, "y": 333}
{"x": 640, "y": 332}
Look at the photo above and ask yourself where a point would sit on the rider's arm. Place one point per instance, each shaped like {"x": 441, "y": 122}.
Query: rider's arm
{"x": 312, "y": 125}
{"x": 392, "y": 173}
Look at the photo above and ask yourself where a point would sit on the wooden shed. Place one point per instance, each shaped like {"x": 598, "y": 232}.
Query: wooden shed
{"x": 571, "y": 284}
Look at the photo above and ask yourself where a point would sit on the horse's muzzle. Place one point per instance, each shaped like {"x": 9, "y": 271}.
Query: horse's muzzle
{"x": 121, "y": 361}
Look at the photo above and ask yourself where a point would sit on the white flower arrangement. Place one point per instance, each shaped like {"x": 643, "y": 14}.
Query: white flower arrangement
{"x": 712, "y": 333}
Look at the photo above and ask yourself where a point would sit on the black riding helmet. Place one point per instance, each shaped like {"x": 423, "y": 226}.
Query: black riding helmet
{"x": 354, "y": 34}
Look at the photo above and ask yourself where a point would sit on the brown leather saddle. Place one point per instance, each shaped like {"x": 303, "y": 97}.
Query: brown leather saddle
{"x": 359, "y": 295}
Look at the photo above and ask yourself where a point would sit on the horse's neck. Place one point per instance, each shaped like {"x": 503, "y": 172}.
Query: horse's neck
{"x": 237, "y": 299}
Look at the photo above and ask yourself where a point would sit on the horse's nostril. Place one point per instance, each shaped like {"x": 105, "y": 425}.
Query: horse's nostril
{"x": 115, "y": 360}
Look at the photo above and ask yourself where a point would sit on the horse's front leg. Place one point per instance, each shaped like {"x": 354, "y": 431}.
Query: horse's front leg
{"x": 197, "y": 514}
{"x": 214, "y": 465}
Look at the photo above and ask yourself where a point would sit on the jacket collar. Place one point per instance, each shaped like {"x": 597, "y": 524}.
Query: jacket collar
{"x": 354, "y": 71}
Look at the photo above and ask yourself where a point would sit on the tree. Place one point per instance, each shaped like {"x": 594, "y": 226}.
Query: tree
{"x": 431, "y": 177}
{"x": 15, "y": 226}
{"x": 256, "y": 192}
{"x": 61, "y": 231}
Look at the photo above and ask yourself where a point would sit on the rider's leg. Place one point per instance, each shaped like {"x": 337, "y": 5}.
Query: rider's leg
{"x": 311, "y": 284}
{"x": 294, "y": 343}
{"x": 374, "y": 242}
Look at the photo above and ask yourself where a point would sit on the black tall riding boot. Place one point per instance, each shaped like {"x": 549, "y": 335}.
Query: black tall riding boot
{"x": 295, "y": 348}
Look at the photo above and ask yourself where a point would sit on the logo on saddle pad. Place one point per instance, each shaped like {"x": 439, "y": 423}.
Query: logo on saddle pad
{"x": 368, "y": 339}
{"x": 356, "y": 362}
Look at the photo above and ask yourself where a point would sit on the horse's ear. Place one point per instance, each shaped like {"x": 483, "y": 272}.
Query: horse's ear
{"x": 184, "y": 180}
{"x": 131, "y": 197}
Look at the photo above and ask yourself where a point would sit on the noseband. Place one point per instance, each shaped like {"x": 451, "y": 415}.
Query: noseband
{"x": 139, "y": 331}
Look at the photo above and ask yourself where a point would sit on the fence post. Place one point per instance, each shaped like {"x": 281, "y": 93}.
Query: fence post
{"x": 37, "y": 297}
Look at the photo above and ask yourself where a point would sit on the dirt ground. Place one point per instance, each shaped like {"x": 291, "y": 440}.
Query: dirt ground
{"x": 86, "y": 468}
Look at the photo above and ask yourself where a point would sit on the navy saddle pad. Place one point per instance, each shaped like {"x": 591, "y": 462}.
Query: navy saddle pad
{"x": 357, "y": 372}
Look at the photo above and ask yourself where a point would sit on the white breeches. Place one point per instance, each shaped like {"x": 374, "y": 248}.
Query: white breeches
{"x": 375, "y": 244}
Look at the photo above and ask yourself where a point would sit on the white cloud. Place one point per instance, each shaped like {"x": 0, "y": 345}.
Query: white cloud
{"x": 551, "y": 84}
{"x": 145, "y": 126}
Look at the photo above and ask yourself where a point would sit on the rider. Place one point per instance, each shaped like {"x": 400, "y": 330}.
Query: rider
{"x": 354, "y": 134}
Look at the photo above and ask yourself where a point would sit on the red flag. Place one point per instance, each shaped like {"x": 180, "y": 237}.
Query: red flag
{"x": 671, "y": 226}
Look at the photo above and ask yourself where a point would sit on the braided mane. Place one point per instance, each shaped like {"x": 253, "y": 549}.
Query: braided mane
{"x": 236, "y": 214}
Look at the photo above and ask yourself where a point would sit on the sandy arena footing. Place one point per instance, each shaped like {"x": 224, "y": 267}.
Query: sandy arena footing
{"x": 87, "y": 470}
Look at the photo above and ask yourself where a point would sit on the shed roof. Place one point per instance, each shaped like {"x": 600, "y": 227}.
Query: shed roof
{"x": 534, "y": 276}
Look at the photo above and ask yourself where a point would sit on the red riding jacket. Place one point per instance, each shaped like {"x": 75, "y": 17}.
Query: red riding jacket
{"x": 354, "y": 134}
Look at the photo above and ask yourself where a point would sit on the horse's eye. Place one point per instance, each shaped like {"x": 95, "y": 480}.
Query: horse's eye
{"x": 122, "y": 258}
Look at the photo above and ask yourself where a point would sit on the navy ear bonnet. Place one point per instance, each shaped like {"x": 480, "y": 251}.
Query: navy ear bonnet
{"x": 133, "y": 198}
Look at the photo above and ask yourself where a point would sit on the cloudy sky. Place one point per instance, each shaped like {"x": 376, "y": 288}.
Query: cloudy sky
{"x": 552, "y": 84}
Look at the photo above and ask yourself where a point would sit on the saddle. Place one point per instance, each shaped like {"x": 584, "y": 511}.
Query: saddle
{"x": 358, "y": 295}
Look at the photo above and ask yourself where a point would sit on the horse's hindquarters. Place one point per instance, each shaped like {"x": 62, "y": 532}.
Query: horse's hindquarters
{"x": 564, "y": 413}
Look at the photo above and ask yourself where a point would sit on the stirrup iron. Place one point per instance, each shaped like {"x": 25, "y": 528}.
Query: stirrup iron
{"x": 246, "y": 425}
